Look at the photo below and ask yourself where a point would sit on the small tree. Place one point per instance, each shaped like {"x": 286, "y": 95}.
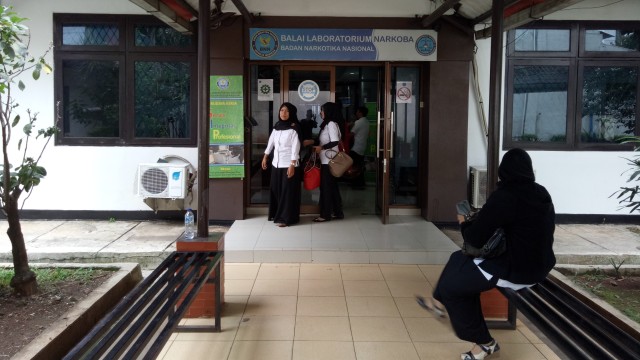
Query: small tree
{"x": 628, "y": 195}
{"x": 14, "y": 61}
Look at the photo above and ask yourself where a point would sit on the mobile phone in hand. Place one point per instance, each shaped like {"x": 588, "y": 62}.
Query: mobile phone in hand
{"x": 463, "y": 207}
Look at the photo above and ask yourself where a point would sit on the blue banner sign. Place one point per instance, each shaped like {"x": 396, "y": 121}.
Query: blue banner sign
{"x": 343, "y": 44}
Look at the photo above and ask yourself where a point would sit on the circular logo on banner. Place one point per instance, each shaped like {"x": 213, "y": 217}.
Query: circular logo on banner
{"x": 264, "y": 43}
{"x": 425, "y": 45}
{"x": 308, "y": 90}
{"x": 222, "y": 83}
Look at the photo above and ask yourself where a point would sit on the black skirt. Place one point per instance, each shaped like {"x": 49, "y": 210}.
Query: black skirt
{"x": 284, "y": 201}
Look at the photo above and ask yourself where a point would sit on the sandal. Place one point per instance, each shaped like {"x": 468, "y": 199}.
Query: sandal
{"x": 487, "y": 349}
{"x": 320, "y": 219}
{"x": 281, "y": 225}
{"x": 428, "y": 305}
{"x": 335, "y": 217}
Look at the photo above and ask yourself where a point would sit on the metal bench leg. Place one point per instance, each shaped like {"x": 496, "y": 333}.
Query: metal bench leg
{"x": 217, "y": 310}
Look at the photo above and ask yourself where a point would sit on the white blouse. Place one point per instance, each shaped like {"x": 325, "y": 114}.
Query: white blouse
{"x": 286, "y": 147}
{"x": 501, "y": 282}
{"x": 330, "y": 133}
{"x": 360, "y": 131}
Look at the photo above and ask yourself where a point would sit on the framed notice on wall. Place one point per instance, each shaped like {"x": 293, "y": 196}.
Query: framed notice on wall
{"x": 226, "y": 138}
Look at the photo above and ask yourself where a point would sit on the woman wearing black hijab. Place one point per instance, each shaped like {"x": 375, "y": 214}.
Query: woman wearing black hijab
{"x": 284, "y": 141}
{"x": 330, "y": 200}
{"x": 525, "y": 211}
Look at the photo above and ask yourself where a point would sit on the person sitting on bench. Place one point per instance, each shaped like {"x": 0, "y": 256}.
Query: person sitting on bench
{"x": 525, "y": 211}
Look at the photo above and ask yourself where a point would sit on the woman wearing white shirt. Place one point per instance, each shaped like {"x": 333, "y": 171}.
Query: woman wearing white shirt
{"x": 360, "y": 131}
{"x": 284, "y": 141}
{"x": 330, "y": 200}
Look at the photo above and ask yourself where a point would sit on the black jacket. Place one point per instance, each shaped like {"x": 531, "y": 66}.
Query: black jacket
{"x": 525, "y": 211}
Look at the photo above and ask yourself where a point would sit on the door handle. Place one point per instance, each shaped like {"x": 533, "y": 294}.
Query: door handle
{"x": 378, "y": 137}
{"x": 392, "y": 137}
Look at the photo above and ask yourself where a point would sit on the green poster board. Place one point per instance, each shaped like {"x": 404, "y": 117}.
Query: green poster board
{"x": 372, "y": 116}
{"x": 226, "y": 138}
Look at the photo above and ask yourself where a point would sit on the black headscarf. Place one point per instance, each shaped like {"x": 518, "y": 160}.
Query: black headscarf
{"x": 292, "y": 122}
{"x": 516, "y": 167}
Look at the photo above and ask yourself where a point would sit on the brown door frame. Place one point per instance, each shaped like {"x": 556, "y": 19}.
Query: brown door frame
{"x": 384, "y": 151}
{"x": 384, "y": 148}
{"x": 285, "y": 77}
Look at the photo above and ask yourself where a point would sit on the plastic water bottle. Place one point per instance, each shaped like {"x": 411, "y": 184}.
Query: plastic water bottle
{"x": 189, "y": 225}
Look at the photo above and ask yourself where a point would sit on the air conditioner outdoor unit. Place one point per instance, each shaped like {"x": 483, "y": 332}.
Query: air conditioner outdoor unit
{"x": 163, "y": 180}
{"x": 478, "y": 179}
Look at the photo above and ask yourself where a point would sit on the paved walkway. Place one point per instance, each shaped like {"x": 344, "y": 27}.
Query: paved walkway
{"x": 311, "y": 296}
{"x": 357, "y": 239}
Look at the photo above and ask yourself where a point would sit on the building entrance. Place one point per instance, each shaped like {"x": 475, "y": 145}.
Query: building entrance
{"x": 391, "y": 149}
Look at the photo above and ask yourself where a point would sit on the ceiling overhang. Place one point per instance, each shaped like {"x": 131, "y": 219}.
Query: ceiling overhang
{"x": 516, "y": 13}
{"x": 180, "y": 14}
{"x": 176, "y": 13}
{"x": 519, "y": 13}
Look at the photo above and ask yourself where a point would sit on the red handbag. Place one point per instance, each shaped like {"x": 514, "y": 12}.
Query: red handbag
{"x": 311, "y": 177}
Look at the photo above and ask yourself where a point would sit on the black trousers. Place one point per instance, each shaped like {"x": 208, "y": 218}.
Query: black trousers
{"x": 330, "y": 199}
{"x": 284, "y": 201}
{"x": 358, "y": 161}
{"x": 459, "y": 288}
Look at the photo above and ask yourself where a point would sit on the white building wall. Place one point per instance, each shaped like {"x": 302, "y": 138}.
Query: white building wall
{"x": 103, "y": 178}
{"x": 580, "y": 182}
{"x": 79, "y": 177}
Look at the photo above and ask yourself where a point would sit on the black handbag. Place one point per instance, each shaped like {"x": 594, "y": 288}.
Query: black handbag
{"x": 495, "y": 246}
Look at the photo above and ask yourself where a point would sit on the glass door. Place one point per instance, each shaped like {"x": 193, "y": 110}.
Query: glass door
{"x": 308, "y": 87}
{"x": 358, "y": 93}
{"x": 390, "y": 93}
{"x": 404, "y": 136}
{"x": 398, "y": 141}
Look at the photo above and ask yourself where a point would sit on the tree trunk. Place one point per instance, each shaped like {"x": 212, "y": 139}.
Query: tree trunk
{"x": 24, "y": 280}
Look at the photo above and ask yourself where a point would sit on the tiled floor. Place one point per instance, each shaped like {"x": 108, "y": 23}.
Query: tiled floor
{"x": 356, "y": 239}
{"x": 305, "y": 311}
{"x": 363, "y": 311}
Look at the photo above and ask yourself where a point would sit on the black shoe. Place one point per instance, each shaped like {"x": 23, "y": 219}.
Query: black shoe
{"x": 428, "y": 305}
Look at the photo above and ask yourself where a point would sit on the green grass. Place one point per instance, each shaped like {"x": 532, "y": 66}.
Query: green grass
{"x": 51, "y": 275}
{"x": 625, "y": 300}
{"x": 635, "y": 230}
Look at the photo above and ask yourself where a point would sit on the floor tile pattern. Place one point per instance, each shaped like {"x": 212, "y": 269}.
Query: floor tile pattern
{"x": 308, "y": 311}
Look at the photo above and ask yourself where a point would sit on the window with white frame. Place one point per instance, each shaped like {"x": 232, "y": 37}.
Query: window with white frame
{"x": 572, "y": 86}
{"x": 123, "y": 80}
